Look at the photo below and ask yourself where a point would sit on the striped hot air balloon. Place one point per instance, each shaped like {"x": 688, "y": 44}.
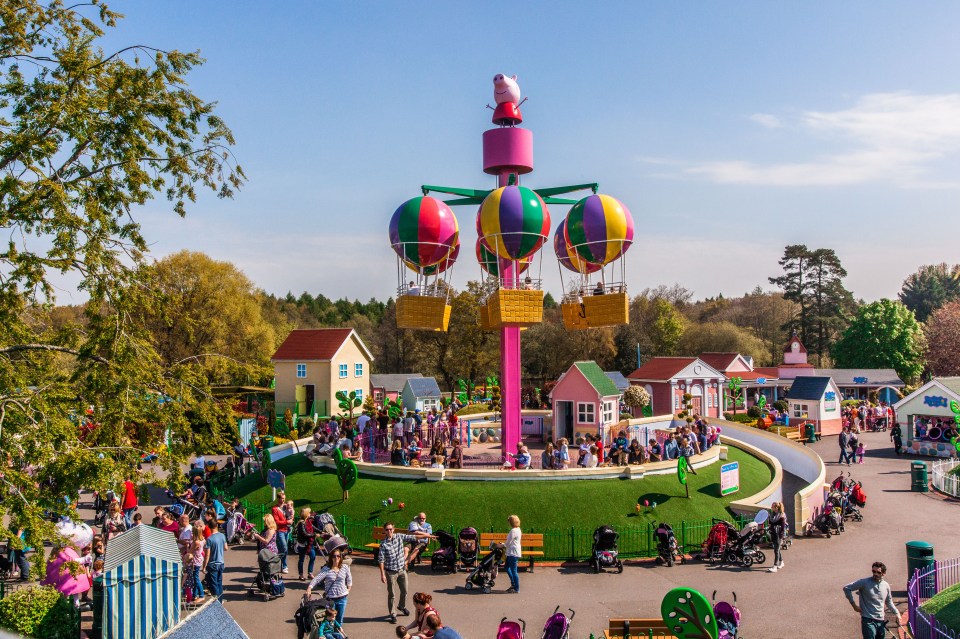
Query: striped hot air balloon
{"x": 513, "y": 222}
{"x": 568, "y": 258}
{"x": 492, "y": 266}
{"x": 423, "y": 231}
{"x": 599, "y": 229}
{"x": 436, "y": 269}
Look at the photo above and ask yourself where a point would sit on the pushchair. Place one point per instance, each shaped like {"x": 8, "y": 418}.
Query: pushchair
{"x": 467, "y": 547}
{"x": 857, "y": 496}
{"x": 667, "y": 550}
{"x": 325, "y": 525}
{"x": 714, "y": 547}
{"x": 445, "y": 557}
{"x": 337, "y": 542}
{"x": 605, "y": 550}
{"x": 558, "y": 625}
{"x": 100, "y": 506}
{"x": 269, "y": 580}
{"x": 309, "y": 617}
{"x": 484, "y": 576}
{"x": 181, "y": 506}
{"x": 742, "y": 548}
{"x": 828, "y": 522}
{"x": 234, "y": 528}
{"x": 727, "y": 616}
{"x": 510, "y": 629}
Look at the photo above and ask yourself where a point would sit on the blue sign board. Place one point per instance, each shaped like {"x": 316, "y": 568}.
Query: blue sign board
{"x": 830, "y": 396}
{"x": 761, "y": 380}
{"x": 935, "y": 402}
{"x": 276, "y": 479}
{"x": 860, "y": 380}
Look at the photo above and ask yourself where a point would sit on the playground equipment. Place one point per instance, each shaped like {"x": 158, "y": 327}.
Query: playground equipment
{"x": 513, "y": 223}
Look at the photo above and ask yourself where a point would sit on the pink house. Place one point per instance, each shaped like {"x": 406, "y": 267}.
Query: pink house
{"x": 585, "y": 400}
{"x": 667, "y": 379}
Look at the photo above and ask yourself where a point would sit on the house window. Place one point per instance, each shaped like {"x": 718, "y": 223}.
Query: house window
{"x": 343, "y": 371}
{"x": 358, "y": 370}
{"x": 429, "y": 404}
{"x": 360, "y": 394}
{"x": 799, "y": 410}
{"x": 301, "y": 370}
{"x": 378, "y": 395}
{"x": 676, "y": 402}
{"x": 586, "y": 413}
{"x": 608, "y": 413}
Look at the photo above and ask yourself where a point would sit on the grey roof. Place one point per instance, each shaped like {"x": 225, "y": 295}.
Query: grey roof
{"x": 141, "y": 540}
{"x": 874, "y": 376}
{"x": 391, "y": 382}
{"x": 808, "y": 387}
{"x": 210, "y": 621}
{"x": 618, "y": 380}
{"x": 952, "y": 383}
{"x": 424, "y": 387}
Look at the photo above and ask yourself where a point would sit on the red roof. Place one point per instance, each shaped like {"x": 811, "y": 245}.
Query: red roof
{"x": 770, "y": 372}
{"x": 661, "y": 368}
{"x": 312, "y": 344}
{"x": 720, "y": 361}
{"x": 753, "y": 375}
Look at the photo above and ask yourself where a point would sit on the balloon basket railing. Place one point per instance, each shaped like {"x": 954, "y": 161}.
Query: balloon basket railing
{"x": 423, "y": 312}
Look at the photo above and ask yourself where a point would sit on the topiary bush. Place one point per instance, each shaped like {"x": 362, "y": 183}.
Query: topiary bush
{"x": 781, "y": 405}
{"x": 40, "y": 612}
{"x": 472, "y": 409}
{"x": 754, "y": 412}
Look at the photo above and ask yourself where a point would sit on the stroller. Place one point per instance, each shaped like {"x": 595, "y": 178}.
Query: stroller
{"x": 484, "y": 576}
{"x": 100, "y": 506}
{"x": 558, "y": 625}
{"x": 269, "y": 580}
{"x": 714, "y": 547}
{"x": 605, "y": 551}
{"x": 511, "y": 629}
{"x": 727, "y": 616}
{"x": 743, "y": 547}
{"x": 857, "y": 496}
{"x": 325, "y": 525}
{"x": 667, "y": 550}
{"x": 181, "y": 506}
{"x": 828, "y": 522}
{"x": 235, "y": 527}
{"x": 445, "y": 557}
{"x": 309, "y": 617}
{"x": 467, "y": 547}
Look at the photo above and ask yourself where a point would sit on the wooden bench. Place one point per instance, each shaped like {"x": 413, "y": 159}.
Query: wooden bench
{"x": 530, "y": 544}
{"x": 637, "y": 629}
{"x": 379, "y": 534}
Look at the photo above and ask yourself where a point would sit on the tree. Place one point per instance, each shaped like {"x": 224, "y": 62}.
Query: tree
{"x": 87, "y": 137}
{"x": 883, "y": 334}
{"x": 795, "y": 285}
{"x": 666, "y": 329}
{"x": 943, "y": 340}
{"x": 636, "y": 397}
{"x": 723, "y": 337}
{"x": 930, "y": 288}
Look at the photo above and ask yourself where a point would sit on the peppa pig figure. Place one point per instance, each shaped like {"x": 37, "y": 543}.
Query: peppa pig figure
{"x": 506, "y": 92}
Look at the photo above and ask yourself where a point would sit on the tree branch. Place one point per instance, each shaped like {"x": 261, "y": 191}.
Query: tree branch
{"x": 50, "y": 347}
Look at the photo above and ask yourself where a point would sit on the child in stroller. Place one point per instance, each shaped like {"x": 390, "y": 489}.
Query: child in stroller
{"x": 269, "y": 580}
{"x": 715, "y": 546}
{"x": 727, "y": 616}
{"x": 605, "y": 550}
{"x": 667, "y": 550}
{"x": 484, "y": 576}
{"x": 445, "y": 557}
{"x": 467, "y": 547}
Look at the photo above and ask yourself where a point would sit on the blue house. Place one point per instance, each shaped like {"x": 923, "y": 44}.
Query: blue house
{"x": 421, "y": 393}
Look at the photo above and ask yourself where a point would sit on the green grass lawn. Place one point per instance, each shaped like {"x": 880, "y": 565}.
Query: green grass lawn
{"x": 541, "y": 505}
{"x": 945, "y": 606}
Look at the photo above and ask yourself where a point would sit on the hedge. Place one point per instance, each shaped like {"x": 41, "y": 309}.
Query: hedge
{"x": 40, "y": 612}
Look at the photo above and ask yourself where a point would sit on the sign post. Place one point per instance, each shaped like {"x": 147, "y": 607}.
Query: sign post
{"x": 276, "y": 480}
{"x": 729, "y": 478}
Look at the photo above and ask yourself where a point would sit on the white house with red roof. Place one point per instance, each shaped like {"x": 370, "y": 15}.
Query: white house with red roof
{"x": 313, "y": 364}
{"x": 667, "y": 379}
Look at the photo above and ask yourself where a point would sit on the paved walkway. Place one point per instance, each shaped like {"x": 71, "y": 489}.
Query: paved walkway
{"x": 804, "y": 599}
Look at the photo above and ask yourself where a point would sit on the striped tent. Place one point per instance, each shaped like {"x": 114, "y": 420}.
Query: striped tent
{"x": 141, "y": 584}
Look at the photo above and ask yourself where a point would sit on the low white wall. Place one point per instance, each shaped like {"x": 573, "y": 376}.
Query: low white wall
{"x": 280, "y": 451}
{"x": 795, "y": 458}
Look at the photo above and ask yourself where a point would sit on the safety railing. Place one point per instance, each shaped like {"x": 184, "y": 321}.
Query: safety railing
{"x": 943, "y": 478}
{"x": 923, "y": 585}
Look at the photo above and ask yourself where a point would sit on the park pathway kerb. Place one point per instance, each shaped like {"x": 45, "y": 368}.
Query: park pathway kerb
{"x": 804, "y": 599}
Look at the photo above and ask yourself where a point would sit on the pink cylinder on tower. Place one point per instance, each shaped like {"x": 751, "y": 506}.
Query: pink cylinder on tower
{"x": 507, "y": 149}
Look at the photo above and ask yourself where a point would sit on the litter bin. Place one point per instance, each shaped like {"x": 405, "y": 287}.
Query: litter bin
{"x": 920, "y": 557}
{"x": 267, "y": 441}
{"x": 918, "y": 476}
{"x": 810, "y": 433}
{"x": 97, "y": 630}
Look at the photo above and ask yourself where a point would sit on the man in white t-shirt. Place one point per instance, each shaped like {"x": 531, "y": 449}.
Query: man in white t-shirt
{"x": 362, "y": 423}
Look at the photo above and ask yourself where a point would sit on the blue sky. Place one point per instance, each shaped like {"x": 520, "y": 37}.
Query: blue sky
{"x": 729, "y": 130}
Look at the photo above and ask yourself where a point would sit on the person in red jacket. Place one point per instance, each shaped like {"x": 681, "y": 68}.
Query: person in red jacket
{"x": 129, "y": 503}
{"x": 279, "y": 513}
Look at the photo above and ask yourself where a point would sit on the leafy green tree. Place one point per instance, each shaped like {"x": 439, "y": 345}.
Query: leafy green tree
{"x": 883, "y": 334}
{"x": 930, "y": 288}
{"x": 666, "y": 329}
{"x": 943, "y": 340}
{"x": 796, "y": 285}
{"x": 87, "y": 137}
{"x": 723, "y": 337}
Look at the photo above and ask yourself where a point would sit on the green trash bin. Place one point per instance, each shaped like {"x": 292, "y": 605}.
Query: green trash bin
{"x": 918, "y": 476}
{"x": 267, "y": 441}
{"x": 920, "y": 557}
{"x": 810, "y": 433}
{"x": 97, "y": 630}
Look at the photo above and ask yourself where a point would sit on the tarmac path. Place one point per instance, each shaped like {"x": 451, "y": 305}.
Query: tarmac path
{"x": 802, "y": 600}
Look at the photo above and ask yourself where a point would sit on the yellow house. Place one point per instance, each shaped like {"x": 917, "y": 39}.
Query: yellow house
{"x": 313, "y": 364}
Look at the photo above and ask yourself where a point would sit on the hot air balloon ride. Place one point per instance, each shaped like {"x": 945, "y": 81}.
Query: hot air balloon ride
{"x": 576, "y": 286}
{"x": 513, "y": 223}
{"x": 426, "y": 238}
{"x": 597, "y": 232}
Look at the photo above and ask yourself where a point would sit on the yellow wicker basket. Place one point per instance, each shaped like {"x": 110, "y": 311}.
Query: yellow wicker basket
{"x": 611, "y": 309}
{"x": 423, "y": 312}
{"x": 485, "y": 323}
{"x": 516, "y": 307}
{"x": 574, "y": 316}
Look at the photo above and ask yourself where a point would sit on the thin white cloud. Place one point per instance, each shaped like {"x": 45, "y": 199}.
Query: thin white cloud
{"x": 892, "y": 137}
{"x": 766, "y": 120}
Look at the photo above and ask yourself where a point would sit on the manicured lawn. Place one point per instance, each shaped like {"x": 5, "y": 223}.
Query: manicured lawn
{"x": 541, "y": 505}
{"x": 946, "y": 607}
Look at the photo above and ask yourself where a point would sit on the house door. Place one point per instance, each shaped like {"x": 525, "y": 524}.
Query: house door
{"x": 696, "y": 402}
{"x": 564, "y": 427}
{"x": 308, "y": 399}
